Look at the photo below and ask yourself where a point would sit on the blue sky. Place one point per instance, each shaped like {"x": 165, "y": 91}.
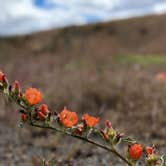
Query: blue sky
{"x": 26, "y": 16}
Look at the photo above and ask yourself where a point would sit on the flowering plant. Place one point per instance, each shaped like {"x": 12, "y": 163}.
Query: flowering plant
{"x": 67, "y": 122}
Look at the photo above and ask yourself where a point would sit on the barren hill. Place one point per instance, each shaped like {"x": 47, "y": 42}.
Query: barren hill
{"x": 146, "y": 35}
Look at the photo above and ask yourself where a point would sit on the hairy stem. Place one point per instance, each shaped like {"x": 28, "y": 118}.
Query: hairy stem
{"x": 114, "y": 151}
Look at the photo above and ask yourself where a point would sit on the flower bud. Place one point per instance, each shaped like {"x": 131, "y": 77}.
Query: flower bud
{"x": 1, "y": 76}
{"x": 3, "y": 80}
{"x": 151, "y": 160}
{"x": 16, "y": 86}
{"x": 104, "y": 135}
{"x": 40, "y": 115}
{"x": 149, "y": 150}
{"x": 79, "y": 129}
{"x": 24, "y": 117}
{"x": 117, "y": 138}
{"x": 44, "y": 109}
{"x": 111, "y": 133}
{"x": 151, "y": 156}
{"x": 108, "y": 124}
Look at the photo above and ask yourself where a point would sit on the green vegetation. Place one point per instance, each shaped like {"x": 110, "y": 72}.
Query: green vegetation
{"x": 140, "y": 59}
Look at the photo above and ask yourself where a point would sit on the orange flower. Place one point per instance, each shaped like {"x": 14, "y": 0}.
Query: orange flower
{"x": 161, "y": 77}
{"x": 149, "y": 150}
{"x": 90, "y": 120}
{"x": 44, "y": 109}
{"x": 68, "y": 118}
{"x": 33, "y": 96}
{"x": 24, "y": 117}
{"x": 135, "y": 151}
{"x": 1, "y": 75}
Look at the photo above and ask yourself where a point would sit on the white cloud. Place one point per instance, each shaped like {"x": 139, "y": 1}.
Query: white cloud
{"x": 160, "y": 8}
{"x": 22, "y": 16}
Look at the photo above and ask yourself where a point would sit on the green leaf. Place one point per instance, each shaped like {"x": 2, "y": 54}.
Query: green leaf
{"x": 128, "y": 140}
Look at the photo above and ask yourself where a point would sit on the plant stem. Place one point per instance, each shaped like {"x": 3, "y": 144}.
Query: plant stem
{"x": 114, "y": 151}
